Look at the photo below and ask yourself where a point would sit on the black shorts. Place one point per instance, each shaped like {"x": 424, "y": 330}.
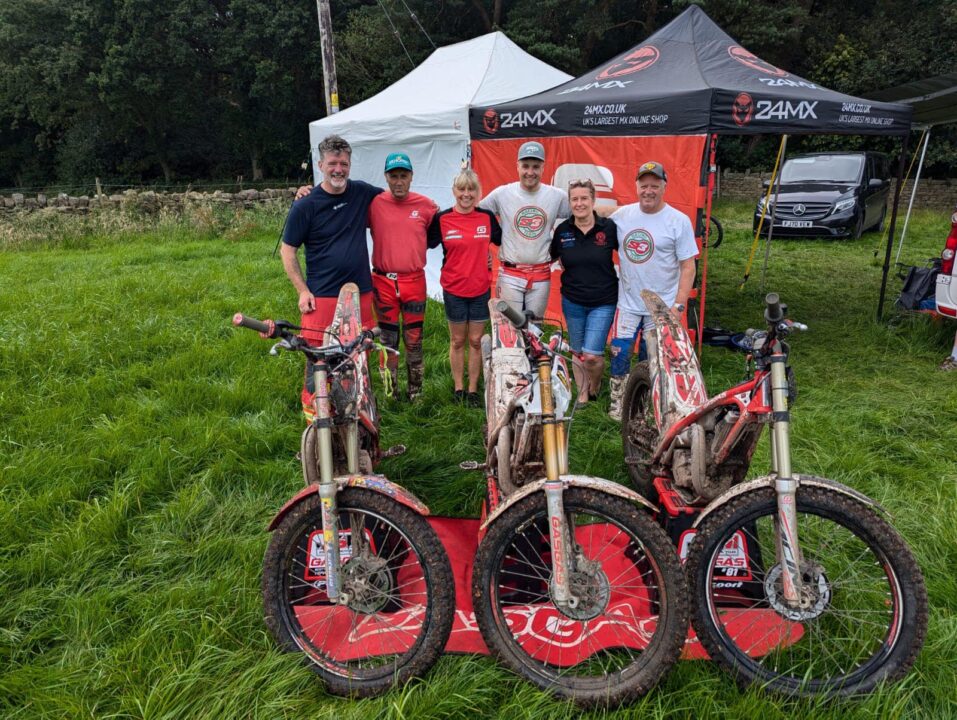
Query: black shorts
{"x": 466, "y": 309}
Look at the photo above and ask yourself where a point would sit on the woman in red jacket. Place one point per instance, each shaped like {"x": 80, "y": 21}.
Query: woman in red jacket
{"x": 464, "y": 231}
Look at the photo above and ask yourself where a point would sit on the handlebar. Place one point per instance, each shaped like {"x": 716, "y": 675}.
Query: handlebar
{"x": 290, "y": 341}
{"x": 774, "y": 312}
{"x": 266, "y": 329}
{"x": 519, "y": 320}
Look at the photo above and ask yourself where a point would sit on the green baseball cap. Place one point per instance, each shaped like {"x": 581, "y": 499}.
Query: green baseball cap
{"x": 398, "y": 161}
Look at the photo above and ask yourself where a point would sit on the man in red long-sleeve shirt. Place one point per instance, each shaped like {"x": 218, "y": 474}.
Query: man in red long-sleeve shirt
{"x": 398, "y": 221}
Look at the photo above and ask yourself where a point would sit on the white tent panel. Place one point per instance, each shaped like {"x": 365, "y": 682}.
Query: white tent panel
{"x": 425, "y": 114}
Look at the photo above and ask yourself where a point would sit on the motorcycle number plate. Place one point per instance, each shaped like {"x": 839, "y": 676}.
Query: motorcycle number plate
{"x": 796, "y": 223}
{"x": 316, "y": 562}
{"x": 734, "y": 560}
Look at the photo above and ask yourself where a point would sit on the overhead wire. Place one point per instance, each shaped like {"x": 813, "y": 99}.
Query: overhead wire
{"x": 395, "y": 32}
{"x": 415, "y": 19}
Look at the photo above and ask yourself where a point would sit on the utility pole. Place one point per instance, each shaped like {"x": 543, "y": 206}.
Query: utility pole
{"x": 328, "y": 57}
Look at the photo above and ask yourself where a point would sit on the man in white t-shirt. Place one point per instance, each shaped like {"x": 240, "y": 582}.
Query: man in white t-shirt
{"x": 656, "y": 251}
{"x": 527, "y": 210}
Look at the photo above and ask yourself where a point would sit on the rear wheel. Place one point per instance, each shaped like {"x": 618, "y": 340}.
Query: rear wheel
{"x": 639, "y": 432}
{"x": 716, "y": 233}
{"x": 629, "y": 623}
{"x": 396, "y": 574}
{"x": 862, "y": 620}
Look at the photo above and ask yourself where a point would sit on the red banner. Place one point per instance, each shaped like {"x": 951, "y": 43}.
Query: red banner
{"x": 610, "y": 163}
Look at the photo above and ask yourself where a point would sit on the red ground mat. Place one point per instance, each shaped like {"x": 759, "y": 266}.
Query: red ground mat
{"x": 544, "y": 630}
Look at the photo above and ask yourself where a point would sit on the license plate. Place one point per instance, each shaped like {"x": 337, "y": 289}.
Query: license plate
{"x": 796, "y": 223}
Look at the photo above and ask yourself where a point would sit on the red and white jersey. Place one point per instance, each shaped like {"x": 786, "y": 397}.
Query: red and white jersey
{"x": 399, "y": 231}
{"x": 465, "y": 238}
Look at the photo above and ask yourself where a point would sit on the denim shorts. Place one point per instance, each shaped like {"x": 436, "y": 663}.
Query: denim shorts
{"x": 587, "y": 326}
{"x": 466, "y": 309}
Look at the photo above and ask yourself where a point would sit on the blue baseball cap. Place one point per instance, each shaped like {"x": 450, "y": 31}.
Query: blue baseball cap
{"x": 398, "y": 161}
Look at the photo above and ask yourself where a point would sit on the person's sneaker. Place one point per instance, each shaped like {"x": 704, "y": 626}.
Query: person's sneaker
{"x": 458, "y": 395}
{"x": 948, "y": 364}
{"x": 473, "y": 399}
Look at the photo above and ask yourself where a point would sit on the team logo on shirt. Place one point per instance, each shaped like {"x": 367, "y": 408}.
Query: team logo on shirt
{"x": 414, "y": 214}
{"x": 530, "y": 222}
{"x": 600, "y": 239}
{"x": 639, "y": 246}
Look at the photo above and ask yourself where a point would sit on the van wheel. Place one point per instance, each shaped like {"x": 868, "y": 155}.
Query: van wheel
{"x": 858, "y": 227}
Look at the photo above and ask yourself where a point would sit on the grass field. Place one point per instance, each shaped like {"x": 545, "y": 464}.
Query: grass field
{"x": 145, "y": 444}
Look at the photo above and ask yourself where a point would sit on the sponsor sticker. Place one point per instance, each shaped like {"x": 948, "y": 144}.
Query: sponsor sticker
{"x": 316, "y": 560}
{"x": 733, "y": 560}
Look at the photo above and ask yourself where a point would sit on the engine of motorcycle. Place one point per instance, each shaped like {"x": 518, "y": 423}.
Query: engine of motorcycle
{"x": 691, "y": 468}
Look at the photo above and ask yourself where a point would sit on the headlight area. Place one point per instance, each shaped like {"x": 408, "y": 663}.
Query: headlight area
{"x": 844, "y": 205}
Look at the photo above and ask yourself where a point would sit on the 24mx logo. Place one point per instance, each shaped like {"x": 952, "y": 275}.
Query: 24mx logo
{"x": 785, "y": 110}
{"x": 522, "y": 119}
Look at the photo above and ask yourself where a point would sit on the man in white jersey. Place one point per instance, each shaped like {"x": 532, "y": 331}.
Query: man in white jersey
{"x": 527, "y": 210}
{"x": 656, "y": 251}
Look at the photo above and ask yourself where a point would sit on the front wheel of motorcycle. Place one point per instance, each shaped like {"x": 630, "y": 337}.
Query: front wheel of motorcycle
{"x": 861, "y": 622}
{"x": 399, "y": 587}
{"x": 629, "y": 622}
{"x": 639, "y": 433}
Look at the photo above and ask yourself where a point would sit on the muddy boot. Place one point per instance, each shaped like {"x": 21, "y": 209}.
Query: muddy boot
{"x": 617, "y": 391}
{"x": 415, "y": 379}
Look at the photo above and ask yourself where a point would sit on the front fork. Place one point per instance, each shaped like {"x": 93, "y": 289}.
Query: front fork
{"x": 558, "y": 530}
{"x": 327, "y": 485}
{"x": 785, "y": 486}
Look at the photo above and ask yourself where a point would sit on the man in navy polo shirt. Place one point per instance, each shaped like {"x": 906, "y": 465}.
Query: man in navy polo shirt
{"x": 331, "y": 223}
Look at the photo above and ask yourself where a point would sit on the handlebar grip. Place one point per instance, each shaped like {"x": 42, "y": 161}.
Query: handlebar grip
{"x": 773, "y": 312}
{"x": 263, "y": 328}
{"x": 511, "y": 314}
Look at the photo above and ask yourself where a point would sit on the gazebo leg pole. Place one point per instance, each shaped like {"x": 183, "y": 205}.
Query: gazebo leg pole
{"x": 905, "y": 146}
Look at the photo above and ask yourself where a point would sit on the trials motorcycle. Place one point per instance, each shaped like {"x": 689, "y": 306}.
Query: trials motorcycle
{"x": 354, "y": 577}
{"x": 574, "y": 585}
{"x": 799, "y": 583}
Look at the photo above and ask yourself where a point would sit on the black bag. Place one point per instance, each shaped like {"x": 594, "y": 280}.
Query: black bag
{"x": 920, "y": 282}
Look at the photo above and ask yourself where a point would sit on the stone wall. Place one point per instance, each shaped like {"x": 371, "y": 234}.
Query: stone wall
{"x": 143, "y": 201}
{"x": 938, "y": 195}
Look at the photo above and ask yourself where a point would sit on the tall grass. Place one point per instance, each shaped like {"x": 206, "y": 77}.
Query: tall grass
{"x": 145, "y": 444}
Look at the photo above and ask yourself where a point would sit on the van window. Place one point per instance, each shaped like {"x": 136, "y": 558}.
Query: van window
{"x": 823, "y": 168}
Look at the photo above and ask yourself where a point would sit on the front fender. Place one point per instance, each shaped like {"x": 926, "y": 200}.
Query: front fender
{"x": 768, "y": 481}
{"x": 582, "y": 481}
{"x": 375, "y": 483}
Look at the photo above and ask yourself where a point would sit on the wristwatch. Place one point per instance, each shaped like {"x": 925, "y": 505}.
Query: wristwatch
{"x": 680, "y": 307}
